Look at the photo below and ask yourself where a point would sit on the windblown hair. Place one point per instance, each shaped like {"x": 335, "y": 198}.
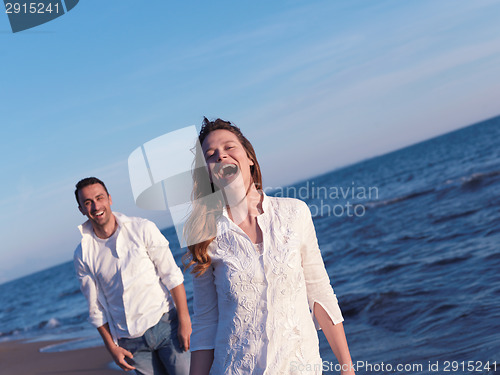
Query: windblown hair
{"x": 86, "y": 182}
{"x": 201, "y": 227}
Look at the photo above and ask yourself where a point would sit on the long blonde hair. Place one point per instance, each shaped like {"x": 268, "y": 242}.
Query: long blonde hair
{"x": 201, "y": 227}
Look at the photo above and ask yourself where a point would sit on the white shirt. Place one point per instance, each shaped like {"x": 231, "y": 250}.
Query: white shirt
{"x": 255, "y": 310}
{"x": 127, "y": 286}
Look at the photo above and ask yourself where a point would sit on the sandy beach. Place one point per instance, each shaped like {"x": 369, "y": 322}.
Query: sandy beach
{"x": 20, "y": 358}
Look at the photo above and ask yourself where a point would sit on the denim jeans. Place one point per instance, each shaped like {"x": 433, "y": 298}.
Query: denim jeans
{"x": 158, "y": 351}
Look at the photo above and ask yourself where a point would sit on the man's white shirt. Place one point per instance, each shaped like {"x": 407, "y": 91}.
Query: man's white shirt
{"x": 126, "y": 277}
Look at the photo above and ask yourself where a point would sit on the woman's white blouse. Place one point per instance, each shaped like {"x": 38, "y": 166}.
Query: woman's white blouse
{"x": 255, "y": 308}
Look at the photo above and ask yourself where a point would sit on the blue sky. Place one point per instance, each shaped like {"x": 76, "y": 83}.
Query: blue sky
{"x": 315, "y": 85}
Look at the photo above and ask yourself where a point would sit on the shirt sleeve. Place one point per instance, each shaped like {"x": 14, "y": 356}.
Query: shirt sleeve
{"x": 88, "y": 286}
{"x": 161, "y": 256}
{"x": 318, "y": 285}
{"x": 206, "y": 312}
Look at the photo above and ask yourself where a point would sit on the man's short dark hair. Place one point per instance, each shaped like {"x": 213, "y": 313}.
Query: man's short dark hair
{"x": 86, "y": 182}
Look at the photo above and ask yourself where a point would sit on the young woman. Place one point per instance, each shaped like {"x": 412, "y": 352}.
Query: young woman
{"x": 260, "y": 285}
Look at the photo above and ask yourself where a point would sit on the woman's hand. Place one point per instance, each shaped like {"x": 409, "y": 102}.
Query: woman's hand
{"x": 336, "y": 338}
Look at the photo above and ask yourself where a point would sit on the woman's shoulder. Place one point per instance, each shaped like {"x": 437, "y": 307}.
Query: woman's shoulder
{"x": 293, "y": 204}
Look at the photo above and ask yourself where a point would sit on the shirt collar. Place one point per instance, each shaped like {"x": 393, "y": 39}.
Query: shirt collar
{"x": 266, "y": 206}
{"x": 87, "y": 229}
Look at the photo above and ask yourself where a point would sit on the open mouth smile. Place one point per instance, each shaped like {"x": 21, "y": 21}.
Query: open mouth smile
{"x": 227, "y": 170}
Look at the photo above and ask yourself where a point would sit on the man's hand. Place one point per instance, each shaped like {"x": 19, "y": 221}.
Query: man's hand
{"x": 184, "y": 332}
{"x": 118, "y": 353}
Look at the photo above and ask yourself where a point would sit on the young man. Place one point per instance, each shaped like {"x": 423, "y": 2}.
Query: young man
{"x": 133, "y": 286}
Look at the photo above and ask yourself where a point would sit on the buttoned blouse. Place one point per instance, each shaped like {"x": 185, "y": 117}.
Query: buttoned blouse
{"x": 255, "y": 308}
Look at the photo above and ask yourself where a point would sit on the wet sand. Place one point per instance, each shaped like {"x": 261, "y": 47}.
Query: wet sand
{"x": 21, "y": 358}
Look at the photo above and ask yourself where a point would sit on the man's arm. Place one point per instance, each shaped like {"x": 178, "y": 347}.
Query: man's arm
{"x": 96, "y": 311}
{"x": 171, "y": 276}
{"x": 118, "y": 353}
{"x": 184, "y": 331}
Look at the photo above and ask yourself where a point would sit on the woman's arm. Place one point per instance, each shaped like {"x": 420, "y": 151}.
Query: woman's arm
{"x": 336, "y": 338}
{"x": 201, "y": 362}
{"x": 320, "y": 295}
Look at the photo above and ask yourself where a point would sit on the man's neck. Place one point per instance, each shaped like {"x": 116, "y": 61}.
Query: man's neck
{"x": 106, "y": 230}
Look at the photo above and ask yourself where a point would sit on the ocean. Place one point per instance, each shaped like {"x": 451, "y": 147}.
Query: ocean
{"x": 410, "y": 239}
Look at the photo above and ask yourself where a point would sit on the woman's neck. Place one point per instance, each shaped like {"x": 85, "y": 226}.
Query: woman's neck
{"x": 249, "y": 206}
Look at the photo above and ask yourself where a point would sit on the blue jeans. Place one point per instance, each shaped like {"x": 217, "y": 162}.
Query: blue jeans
{"x": 158, "y": 351}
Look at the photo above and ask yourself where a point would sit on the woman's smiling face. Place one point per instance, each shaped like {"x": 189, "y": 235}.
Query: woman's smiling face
{"x": 226, "y": 158}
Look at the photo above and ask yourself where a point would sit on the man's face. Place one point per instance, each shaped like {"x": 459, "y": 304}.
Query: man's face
{"x": 95, "y": 203}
